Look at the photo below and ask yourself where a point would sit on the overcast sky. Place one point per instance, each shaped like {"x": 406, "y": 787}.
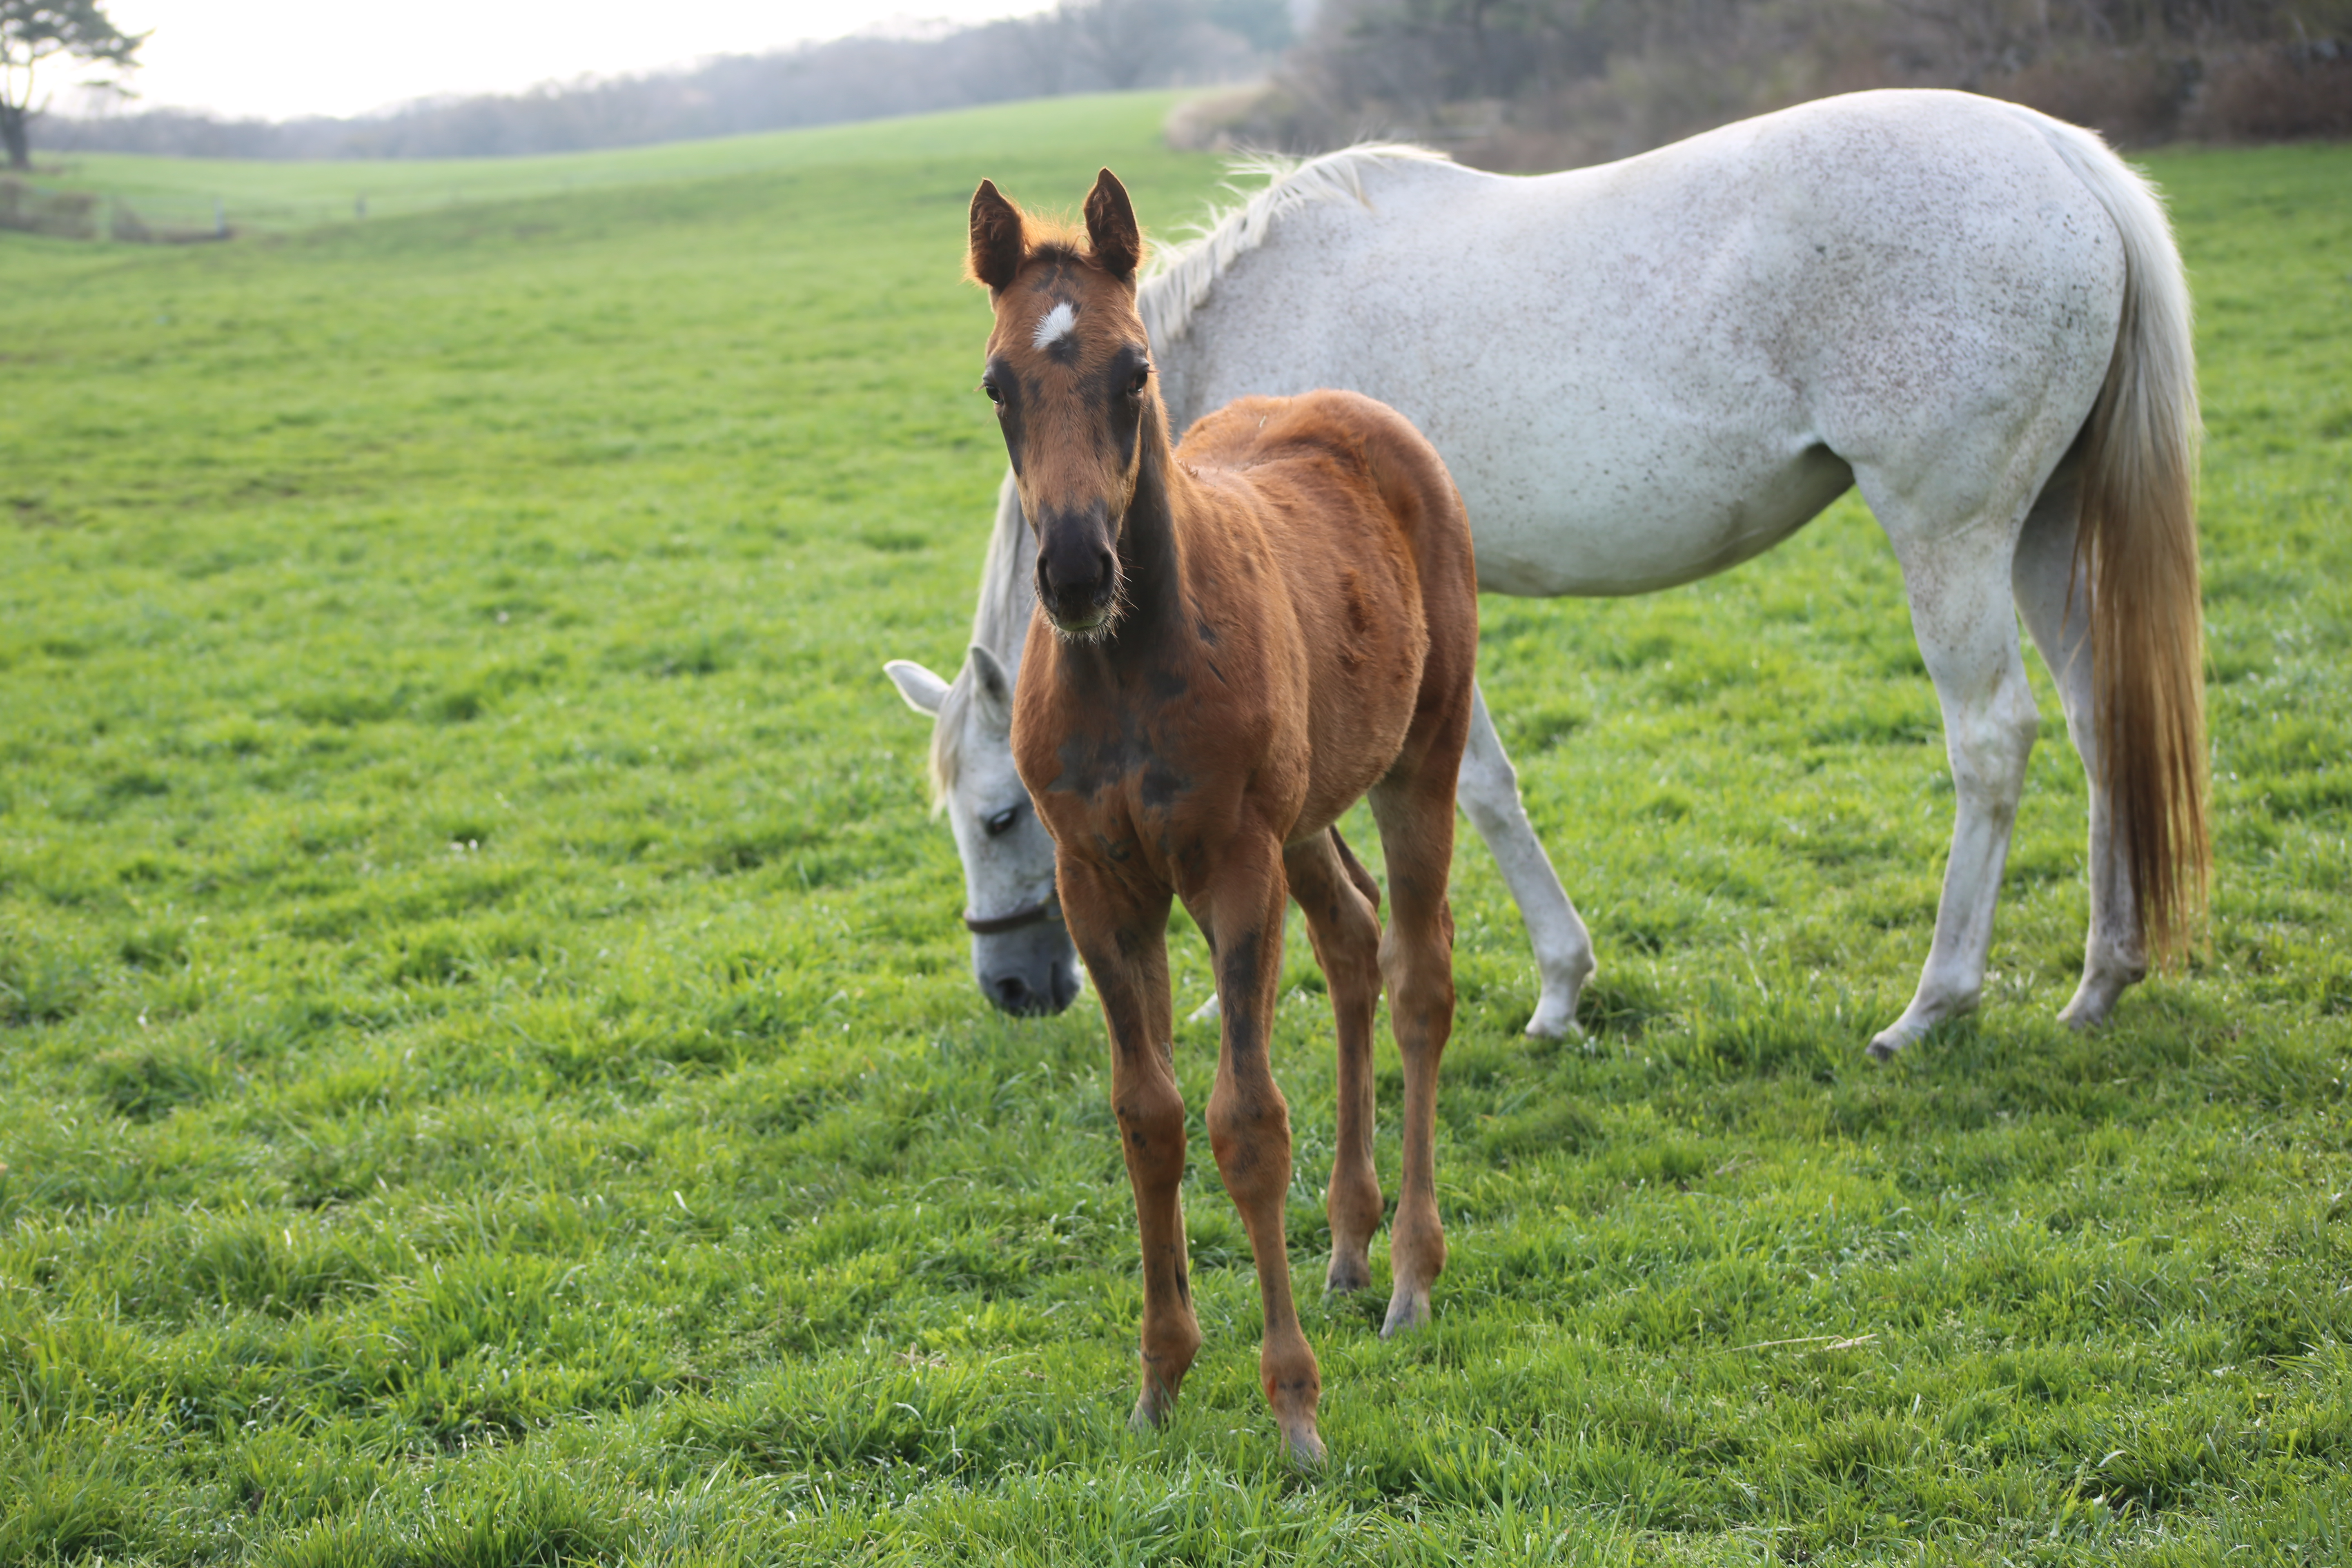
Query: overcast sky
{"x": 277, "y": 58}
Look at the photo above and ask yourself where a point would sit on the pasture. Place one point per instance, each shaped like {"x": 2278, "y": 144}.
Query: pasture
{"x": 489, "y": 1075}
{"x": 282, "y": 197}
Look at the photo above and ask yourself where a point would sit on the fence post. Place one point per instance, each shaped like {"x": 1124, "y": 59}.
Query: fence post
{"x": 220, "y": 219}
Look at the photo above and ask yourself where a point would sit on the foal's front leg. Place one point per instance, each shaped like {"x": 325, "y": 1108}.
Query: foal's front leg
{"x": 1123, "y": 937}
{"x": 1249, "y": 1122}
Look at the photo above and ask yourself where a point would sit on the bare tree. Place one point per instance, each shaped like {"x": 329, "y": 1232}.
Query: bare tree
{"x": 1121, "y": 39}
{"x": 34, "y": 31}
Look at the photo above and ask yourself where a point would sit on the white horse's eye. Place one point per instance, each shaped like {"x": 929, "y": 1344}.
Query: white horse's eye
{"x": 1002, "y": 821}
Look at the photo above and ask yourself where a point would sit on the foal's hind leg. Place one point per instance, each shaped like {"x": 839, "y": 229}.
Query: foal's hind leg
{"x": 1489, "y": 794}
{"x": 1416, "y": 816}
{"x": 2055, "y": 600}
{"x": 1341, "y": 901}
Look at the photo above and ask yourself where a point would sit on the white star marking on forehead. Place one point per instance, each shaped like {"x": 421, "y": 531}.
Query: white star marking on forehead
{"x": 1057, "y": 324}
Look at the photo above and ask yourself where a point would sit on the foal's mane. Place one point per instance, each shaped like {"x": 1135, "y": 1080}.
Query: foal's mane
{"x": 1179, "y": 278}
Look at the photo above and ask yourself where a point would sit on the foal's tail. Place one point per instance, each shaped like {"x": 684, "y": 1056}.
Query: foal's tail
{"x": 2138, "y": 550}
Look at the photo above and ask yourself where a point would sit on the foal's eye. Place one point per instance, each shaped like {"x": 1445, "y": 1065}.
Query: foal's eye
{"x": 1135, "y": 383}
{"x": 996, "y": 393}
{"x": 1002, "y": 823}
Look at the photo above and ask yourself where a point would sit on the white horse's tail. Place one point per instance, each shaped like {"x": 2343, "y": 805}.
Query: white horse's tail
{"x": 2138, "y": 550}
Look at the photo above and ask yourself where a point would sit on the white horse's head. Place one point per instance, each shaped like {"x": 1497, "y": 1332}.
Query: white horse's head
{"x": 1021, "y": 953}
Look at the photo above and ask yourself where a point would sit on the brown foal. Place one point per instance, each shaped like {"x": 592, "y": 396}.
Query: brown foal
{"x": 1236, "y": 639}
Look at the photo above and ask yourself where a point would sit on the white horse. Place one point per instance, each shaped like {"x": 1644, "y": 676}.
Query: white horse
{"x": 1019, "y": 953}
{"x": 1646, "y": 372}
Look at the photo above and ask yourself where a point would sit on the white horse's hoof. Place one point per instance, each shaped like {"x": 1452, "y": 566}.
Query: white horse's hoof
{"x": 1925, "y": 1012}
{"x": 1206, "y": 1013}
{"x": 1555, "y": 1016}
{"x": 2095, "y": 998}
{"x": 2084, "y": 1012}
{"x": 1896, "y": 1039}
{"x": 1555, "y": 1019}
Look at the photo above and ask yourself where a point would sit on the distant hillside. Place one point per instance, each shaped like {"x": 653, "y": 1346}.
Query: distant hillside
{"x": 184, "y": 197}
{"x": 1081, "y": 46}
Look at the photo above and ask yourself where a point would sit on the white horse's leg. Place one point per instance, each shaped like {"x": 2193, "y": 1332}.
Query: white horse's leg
{"x": 1957, "y": 580}
{"x": 2055, "y": 600}
{"x": 1488, "y": 791}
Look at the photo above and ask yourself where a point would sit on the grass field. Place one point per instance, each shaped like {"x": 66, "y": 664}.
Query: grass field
{"x": 488, "y": 1073}
{"x": 268, "y": 198}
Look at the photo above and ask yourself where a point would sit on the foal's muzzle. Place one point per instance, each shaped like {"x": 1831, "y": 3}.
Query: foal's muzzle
{"x": 1078, "y": 578}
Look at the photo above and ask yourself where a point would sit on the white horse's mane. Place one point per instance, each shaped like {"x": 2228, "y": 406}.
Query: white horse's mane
{"x": 1001, "y": 620}
{"x": 999, "y": 624}
{"x": 1179, "y": 280}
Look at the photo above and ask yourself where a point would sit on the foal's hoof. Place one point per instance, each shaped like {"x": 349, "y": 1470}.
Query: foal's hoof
{"x": 1347, "y": 1274}
{"x": 1305, "y": 1446}
{"x": 1407, "y": 1310}
{"x": 1152, "y": 1408}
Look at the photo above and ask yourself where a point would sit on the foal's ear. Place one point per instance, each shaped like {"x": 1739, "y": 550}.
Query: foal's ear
{"x": 997, "y": 243}
{"x": 1110, "y": 227}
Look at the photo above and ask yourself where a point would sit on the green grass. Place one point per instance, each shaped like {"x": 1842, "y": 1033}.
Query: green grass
{"x": 488, "y": 1074}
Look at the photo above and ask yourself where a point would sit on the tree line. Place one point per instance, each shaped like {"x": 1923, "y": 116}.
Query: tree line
{"x": 1080, "y": 45}
{"x": 1549, "y": 83}
{"x": 1507, "y": 83}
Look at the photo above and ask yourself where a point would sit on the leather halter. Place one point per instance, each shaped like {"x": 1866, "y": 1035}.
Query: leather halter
{"x": 1048, "y": 907}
